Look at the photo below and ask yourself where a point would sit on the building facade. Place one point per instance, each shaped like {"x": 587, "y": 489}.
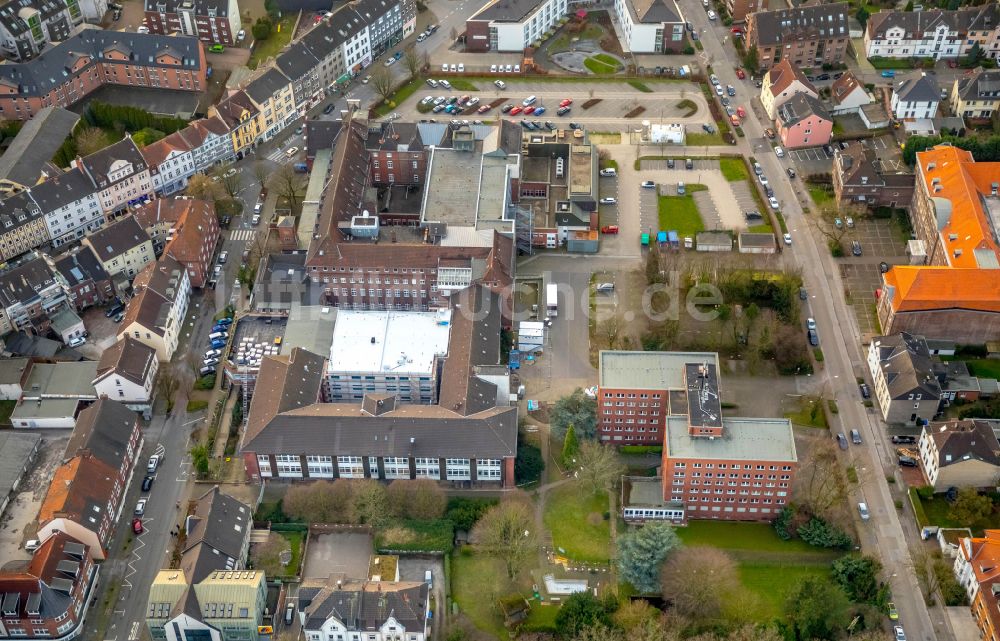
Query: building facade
{"x": 29, "y": 26}
{"x": 960, "y": 453}
{"x": 934, "y": 33}
{"x": 976, "y": 97}
{"x": 156, "y": 313}
{"x": 512, "y": 26}
{"x": 656, "y": 26}
{"x": 120, "y": 174}
{"x": 915, "y": 98}
{"x": 904, "y": 380}
{"x": 171, "y": 163}
{"x": 809, "y": 36}
{"x": 127, "y": 372}
{"x": 211, "y": 21}
{"x": 185, "y": 229}
{"x": 803, "y": 121}
{"x": 271, "y": 93}
{"x": 70, "y": 204}
{"x": 22, "y": 225}
{"x": 977, "y": 568}
{"x": 123, "y": 247}
{"x": 861, "y": 177}
{"x": 376, "y": 610}
{"x": 780, "y": 83}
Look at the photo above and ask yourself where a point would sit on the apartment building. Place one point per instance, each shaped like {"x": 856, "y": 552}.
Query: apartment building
{"x": 271, "y": 93}
{"x": 960, "y": 453}
{"x": 803, "y": 121}
{"x": 120, "y": 174}
{"x": 652, "y": 26}
{"x": 976, "y": 97}
{"x": 397, "y": 154}
{"x": 780, "y": 83}
{"x": 126, "y": 373}
{"x": 934, "y": 33}
{"x": 915, "y": 98}
{"x": 904, "y": 379}
{"x": 376, "y": 610}
{"x": 740, "y": 9}
{"x": 861, "y": 177}
{"x": 70, "y": 204}
{"x": 242, "y": 119}
{"x": 809, "y": 36}
{"x": 977, "y": 569}
{"x": 185, "y": 229}
{"x": 99, "y": 57}
{"x": 123, "y": 247}
{"x": 82, "y": 276}
{"x": 22, "y": 225}
{"x": 848, "y": 95}
{"x": 713, "y": 467}
{"x": 211, "y": 21}
{"x": 28, "y": 26}
{"x": 955, "y": 294}
{"x": 171, "y": 163}
{"x": 47, "y": 597}
{"x": 156, "y": 313}
{"x": 512, "y": 25}
{"x": 210, "y": 142}
{"x": 28, "y": 295}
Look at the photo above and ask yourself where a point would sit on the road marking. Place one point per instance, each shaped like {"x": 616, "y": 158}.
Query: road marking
{"x": 243, "y": 234}
{"x": 134, "y": 633}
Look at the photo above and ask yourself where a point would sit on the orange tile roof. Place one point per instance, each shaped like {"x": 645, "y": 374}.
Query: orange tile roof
{"x": 81, "y": 480}
{"x": 926, "y": 288}
{"x": 985, "y": 558}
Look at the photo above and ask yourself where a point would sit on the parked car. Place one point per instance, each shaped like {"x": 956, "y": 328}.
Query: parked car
{"x": 137, "y": 526}
{"x": 740, "y": 74}
{"x": 32, "y": 544}
{"x": 539, "y": 111}
{"x": 516, "y": 110}
{"x": 897, "y": 630}
{"x": 76, "y": 341}
{"x": 562, "y": 111}
{"x": 841, "y": 440}
{"x": 147, "y": 482}
{"x": 140, "y": 507}
{"x": 648, "y": 184}
{"x": 888, "y": 73}
{"x": 609, "y": 171}
{"x": 788, "y": 239}
{"x": 769, "y": 133}
{"x": 609, "y": 229}
{"x": 711, "y": 15}
{"x": 566, "y": 102}
{"x": 500, "y": 84}
{"x": 790, "y": 172}
{"x": 907, "y": 461}
{"x": 855, "y": 248}
{"x": 813, "y": 338}
{"x": 118, "y": 317}
{"x": 153, "y": 463}
{"x": 680, "y": 189}
{"x": 445, "y": 84}
{"x": 530, "y": 100}
{"x": 731, "y": 90}
{"x": 856, "y": 437}
{"x": 670, "y": 163}
{"x": 608, "y": 200}
{"x": 890, "y": 606}
{"x": 688, "y": 163}
{"x": 773, "y": 202}
{"x": 865, "y": 391}
{"x": 900, "y": 439}
{"x": 863, "y": 510}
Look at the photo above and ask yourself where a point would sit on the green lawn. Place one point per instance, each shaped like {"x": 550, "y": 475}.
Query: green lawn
{"x": 734, "y": 169}
{"x": 771, "y": 582}
{"x": 810, "y": 414}
{"x": 461, "y": 84}
{"x": 730, "y": 535}
{"x": 575, "y": 516}
{"x": 606, "y": 59}
{"x": 476, "y": 583}
{"x": 404, "y": 92}
{"x": 984, "y": 367}
{"x": 280, "y": 36}
{"x": 820, "y": 194}
{"x": 680, "y": 214}
{"x": 643, "y": 87}
{"x": 596, "y": 66}
{"x": 702, "y": 139}
{"x": 763, "y": 228}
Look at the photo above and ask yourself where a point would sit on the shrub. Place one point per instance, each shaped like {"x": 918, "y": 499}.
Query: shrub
{"x": 821, "y": 534}
{"x": 205, "y": 382}
{"x": 196, "y": 406}
{"x": 782, "y": 524}
{"x": 464, "y": 512}
{"x": 528, "y": 465}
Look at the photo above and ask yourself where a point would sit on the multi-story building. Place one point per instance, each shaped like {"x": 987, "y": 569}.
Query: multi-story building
{"x": 848, "y": 95}
{"x": 222, "y": 606}
{"x": 977, "y": 568}
{"x": 22, "y": 225}
{"x": 156, "y": 313}
{"x": 740, "y": 9}
{"x": 915, "y": 98}
{"x": 120, "y": 174}
{"x": 271, "y": 93}
{"x": 82, "y": 276}
{"x": 713, "y": 467}
{"x": 28, "y": 26}
{"x": 126, "y": 373}
{"x": 47, "y": 597}
{"x": 243, "y": 120}
{"x": 70, "y": 205}
{"x": 28, "y": 294}
{"x": 958, "y": 453}
{"x": 376, "y": 610}
{"x": 861, "y": 177}
{"x": 171, "y": 63}
{"x": 210, "y": 142}
{"x": 504, "y": 25}
{"x": 934, "y": 33}
{"x": 803, "y": 121}
{"x": 976, "y": 97}
{"x": 123, "y": 247}
{"x": 28, "y": 159}
{"x": 955, "y": 295}
{"x": 904, "y": 379}
{"x": 397, "y": 154}
{"x": 809, "y": 36}
{"x": 186, "y": 230}
{"x": 171, "y": 163}
{"x": 651, "y": 26}
{"x": 211, "y": 21}
{"x": 780, "y": 83}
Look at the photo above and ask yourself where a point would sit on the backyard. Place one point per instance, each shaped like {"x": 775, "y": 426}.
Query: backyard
{"x": 680, "y": 213}
{"x": 576, "y": 518}
{"x": 602, "y": 63}
{"x": 477, "y": 582}
{"x": 936, "y": 511}
{"x": 280, "y": 36}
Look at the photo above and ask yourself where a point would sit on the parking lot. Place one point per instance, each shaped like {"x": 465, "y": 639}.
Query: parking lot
{"x": 816, "y": 160}
{"x": 880, "y": 241}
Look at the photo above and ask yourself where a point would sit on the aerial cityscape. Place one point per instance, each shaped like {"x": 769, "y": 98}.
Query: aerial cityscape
{"x": 475, "y": 320}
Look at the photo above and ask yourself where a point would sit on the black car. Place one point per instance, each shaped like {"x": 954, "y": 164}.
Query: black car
{"x": 823, "y": 76}
{"x": 907, "y": 461}
{"x": 574, "y": 125}
{"x": 903, "y": 438}
{"x": 829, "y": 150}
{"x": 791, "y": 172}
{"x": 670, "y": 163}
{"x": 147, "y": 483}
{"x": 551, "y": 125}
{"x": 113, "y": 310}
{"x": 813, "y": 338}
{"x": 865, "y": 392}
{"x": 328, "y": 109}
{"x": 688, "y": 164}
{"x": 837, "y": 75}
{"x": 506, "y": 108}
{"x": 855, "y": 248}
{"x": 803, "y": 294}
{"x": 708, "y": 128}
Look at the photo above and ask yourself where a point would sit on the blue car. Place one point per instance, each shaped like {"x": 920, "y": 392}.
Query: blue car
{"x": 218, "y": 344}
{"x": 224, "y": 321}
{"x": 539, "y": 111}
{"x": 889, "y": 74}
{"x": 220, "y": 328}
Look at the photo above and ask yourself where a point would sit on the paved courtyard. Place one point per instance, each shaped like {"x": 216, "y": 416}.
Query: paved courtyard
{"x": 880, "y": 242}
{"x": 345, "y": 553}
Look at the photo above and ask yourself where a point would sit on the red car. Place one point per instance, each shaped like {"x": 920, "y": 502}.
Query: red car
{"x": 483, "y": 109}
{"x": 516, "y": 110}
{"x": 567, "y": 102}
{"x": 741, "y": 112}
{"x": 740, "y": 74}
{"x": 735, "y": 120}
{"x": 609, "y": 229}
{"x": 137, "y": 525}
{"x": 529, "y": 110}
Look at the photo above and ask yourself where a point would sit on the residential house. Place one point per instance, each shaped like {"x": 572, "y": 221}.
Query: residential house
{"x": 111, "y": 432}
{"x": 66, "y": 324}
{"x": 740, "y": 9}
{"x": 904, "y": 379}
{"x": 210, "y": 142}
{"x": 82, "y": 275}
{"x": 70, "y": 204}
{"x": 803, "y": 121}
{"x": 120, "y": 174}
{"x": 171, "y": 163}
{"x": 781, "y": 82}
{"x": 126, "y": 373}
{"x": 28, "y": 159}
{"x": 211, "y": 21}
{"x": 976, "y": 97}
{"x": 123, "y": 247}
{"x": 69, "y": 71}
{"x": 186, "y": 230}
{"x": 809, "y": 36}
{"x": 512, "y": 26}
{"x": 28, "y": 294}
{"x": 47, "y": 597}
{"x": 217, "y": 534}
{"x": 933, "y": 33}
{"x": 271, "y": 93}
{"x": 13, "y": 373}
{"x": 977, "y": 568}
{"x": 649, "y": 26}
{"x": 156, "y": 313}
{"x": 354, "y": 609}
{"x": 955, "y": 294}
{"x": 915, "y": 98}
{"x": 848, "y": 95}
{"x": 28, "y": 26}
{"x": 22, "y": 225}
{"x": 861, "y": 177}
{"x": 243, "y": 119}
{"x": 960, "y": 453}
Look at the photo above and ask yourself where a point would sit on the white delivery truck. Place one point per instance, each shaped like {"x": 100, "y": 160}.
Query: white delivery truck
{"x": 551, "y": 303}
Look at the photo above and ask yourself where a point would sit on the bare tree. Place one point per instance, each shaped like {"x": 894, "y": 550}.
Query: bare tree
{"x": 827, "y": 216}
{"x": 507, "y": 531}
{"x": 230, "y": 181}
{"x": 167, "y": 384}
{"x": 598, "y": 466}
{"x": 923, "y": 567}
{"x": 290, "y": 186}
{"x": 454, "y": 34}
{"x": 425, "y": 59}
{"x": 381, "y": 82}
{"x": 202, "y": 187}
{"x": 822, "y": 483}
{"x": 90, "y": 140}
{"x": 412, "y": 60}
{"x": 261, "y": 173}
{"x": 699, "y": 581}
{"x": 612, "y": 330}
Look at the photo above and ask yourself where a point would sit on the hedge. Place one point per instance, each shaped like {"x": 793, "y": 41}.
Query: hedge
{"x": 641, "y": 449}
{"x": 918, "y": 508}
{"x": 289, "y": 527}
{"x": 428, "y": 536}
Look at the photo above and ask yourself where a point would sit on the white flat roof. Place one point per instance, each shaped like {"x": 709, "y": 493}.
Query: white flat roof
{"x": 393, "y": 343}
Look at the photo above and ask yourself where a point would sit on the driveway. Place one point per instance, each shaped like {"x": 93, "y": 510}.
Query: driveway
{"x": 338, "y": 553}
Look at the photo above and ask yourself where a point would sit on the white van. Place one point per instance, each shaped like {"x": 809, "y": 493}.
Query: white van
{"x": 429, "y": 579}
{"x": 530, "y": 100}
{"x": 605, "y": 287}
{"x": 218, "y": 336}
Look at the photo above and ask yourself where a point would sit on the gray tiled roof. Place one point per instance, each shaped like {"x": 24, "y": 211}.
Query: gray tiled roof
{"x": 363, "y": 606}
{"x": 80, "y": 265}
{"x": 200, "y": 7}
{"x": 654, "y": 11}
{"x": 48, "y": 71}
{"x": 985, "y": 85}
{"x": 918, "y": 89}
{"x": 788, "y": 25}
{"x": 220, "y": 522}
{"x": 128, "y": 358}
{"x": 917, "y": 23}
{"x": 98, "y": 164}
{"x": 907, "y": 366}
{"x": 62, "y": 190}
{"x": 117, "y": 238}
{"x": 11, "y": 13}
{"x": 266, "y": 85}
{"x": 104, "y": 429}
{"x": 799, "y": 107}
{"x": 16, "y": 211}
{"x": 296, "y": 61}
{"x": 970, "y": 440}
{"x": 507, "y": 10}
{"x": 36, "y": 144}
{"x": 23, "y": 282}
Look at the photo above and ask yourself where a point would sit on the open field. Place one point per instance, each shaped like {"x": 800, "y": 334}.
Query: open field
{"x": 575, "y": 517}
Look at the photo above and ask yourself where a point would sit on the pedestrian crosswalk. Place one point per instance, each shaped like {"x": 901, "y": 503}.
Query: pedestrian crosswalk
{"x": 277, "y": 155}
{"x": 244, "y": 234}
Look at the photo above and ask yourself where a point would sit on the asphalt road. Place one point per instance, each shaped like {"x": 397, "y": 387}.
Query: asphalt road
{"x": 885, "y": 534}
